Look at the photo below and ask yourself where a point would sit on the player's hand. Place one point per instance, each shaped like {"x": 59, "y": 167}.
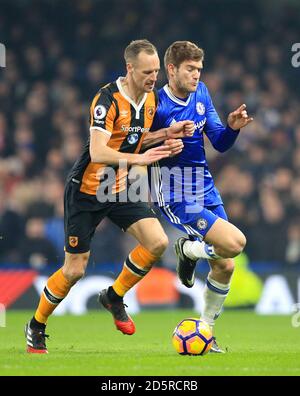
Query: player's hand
{"x": 181, "y": 129}
{"x": 239, "y": 118}
{"x": 153, "y": 155}
{"x": 174, "y": 145}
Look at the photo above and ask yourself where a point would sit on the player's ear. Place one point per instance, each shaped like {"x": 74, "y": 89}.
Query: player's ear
{"x": 129, "y": 67}
{"x": 171, "y": 69}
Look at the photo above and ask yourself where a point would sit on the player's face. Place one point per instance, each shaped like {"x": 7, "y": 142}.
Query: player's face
{"x": 187, "y": 75}
{"x": 144, "y": 71}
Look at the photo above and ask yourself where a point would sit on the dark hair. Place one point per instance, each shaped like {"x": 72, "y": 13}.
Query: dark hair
{"x": 181, "y": 51}
{"x": 137, "y": 46}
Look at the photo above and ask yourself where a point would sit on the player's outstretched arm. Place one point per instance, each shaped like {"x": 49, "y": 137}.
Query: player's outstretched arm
{"x": 223, "y": 138}
{"x": 178, "y": 130}
{"x": 101, "y": 153}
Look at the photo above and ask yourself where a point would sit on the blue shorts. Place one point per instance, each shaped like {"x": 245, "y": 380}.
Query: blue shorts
{"x": 192, "y": 220}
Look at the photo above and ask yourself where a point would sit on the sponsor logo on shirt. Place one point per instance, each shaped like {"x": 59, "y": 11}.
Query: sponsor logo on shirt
{"x": 125, "y": 128}
{"x": 200, "y": 124}
{"x": 124, "y": 113}
{"x": 133, "y": 138}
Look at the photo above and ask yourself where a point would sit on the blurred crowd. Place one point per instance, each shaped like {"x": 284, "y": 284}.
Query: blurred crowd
{"x": 59, "y": 53}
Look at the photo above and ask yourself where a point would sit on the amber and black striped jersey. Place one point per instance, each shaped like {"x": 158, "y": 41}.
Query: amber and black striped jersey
{"x": 112, "y": 112}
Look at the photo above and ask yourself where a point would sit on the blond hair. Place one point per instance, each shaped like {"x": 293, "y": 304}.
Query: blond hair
{"x": 135, "y": 47}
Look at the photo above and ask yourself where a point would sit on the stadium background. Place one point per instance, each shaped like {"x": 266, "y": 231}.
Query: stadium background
{"x": 60, "y": 52}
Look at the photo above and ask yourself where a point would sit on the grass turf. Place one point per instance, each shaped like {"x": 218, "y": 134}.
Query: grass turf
{"x": 90, "y": 345}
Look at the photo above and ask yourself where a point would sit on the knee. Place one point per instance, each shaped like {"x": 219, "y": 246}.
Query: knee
{"x": 236, "y": 245}
{"x": 224, "y": 268}
{"x": 74, "y": 267}
{"x": 228, "y": 268}
{"x": 159, "y": 245}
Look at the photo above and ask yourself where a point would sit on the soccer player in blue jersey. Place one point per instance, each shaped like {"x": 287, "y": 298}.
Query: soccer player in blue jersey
{"x": 184, "y": 188}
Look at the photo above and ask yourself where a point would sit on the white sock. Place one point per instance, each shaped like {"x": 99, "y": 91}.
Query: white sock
{"x": 214, "y": 295}
{"x": 196, "y": 250}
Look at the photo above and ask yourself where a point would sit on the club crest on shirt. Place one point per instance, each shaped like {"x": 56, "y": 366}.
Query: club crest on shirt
{"x": 150, "y": 110}
{"x": 200, "y": 108}
{"x": 99, "y": 112}
{"x": 202, "y": 224}
{"x": 73, "y": 241}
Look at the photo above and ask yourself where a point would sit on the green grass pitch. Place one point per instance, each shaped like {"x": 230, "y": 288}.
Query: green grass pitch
{"x": 90, "y": 345}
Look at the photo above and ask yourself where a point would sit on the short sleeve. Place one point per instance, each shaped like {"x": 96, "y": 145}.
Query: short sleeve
{"x": 103, "y": 113}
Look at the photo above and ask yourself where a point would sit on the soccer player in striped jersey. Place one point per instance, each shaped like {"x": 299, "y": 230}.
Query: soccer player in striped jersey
{"x": 120, "y": 115}
{"x": 182, "y": 185}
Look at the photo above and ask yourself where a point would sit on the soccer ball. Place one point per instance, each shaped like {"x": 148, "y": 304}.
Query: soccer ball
{"x": 192, "y": 337}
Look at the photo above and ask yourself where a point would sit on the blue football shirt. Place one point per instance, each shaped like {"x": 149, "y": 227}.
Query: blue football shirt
{"x": 186, "y": 176}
